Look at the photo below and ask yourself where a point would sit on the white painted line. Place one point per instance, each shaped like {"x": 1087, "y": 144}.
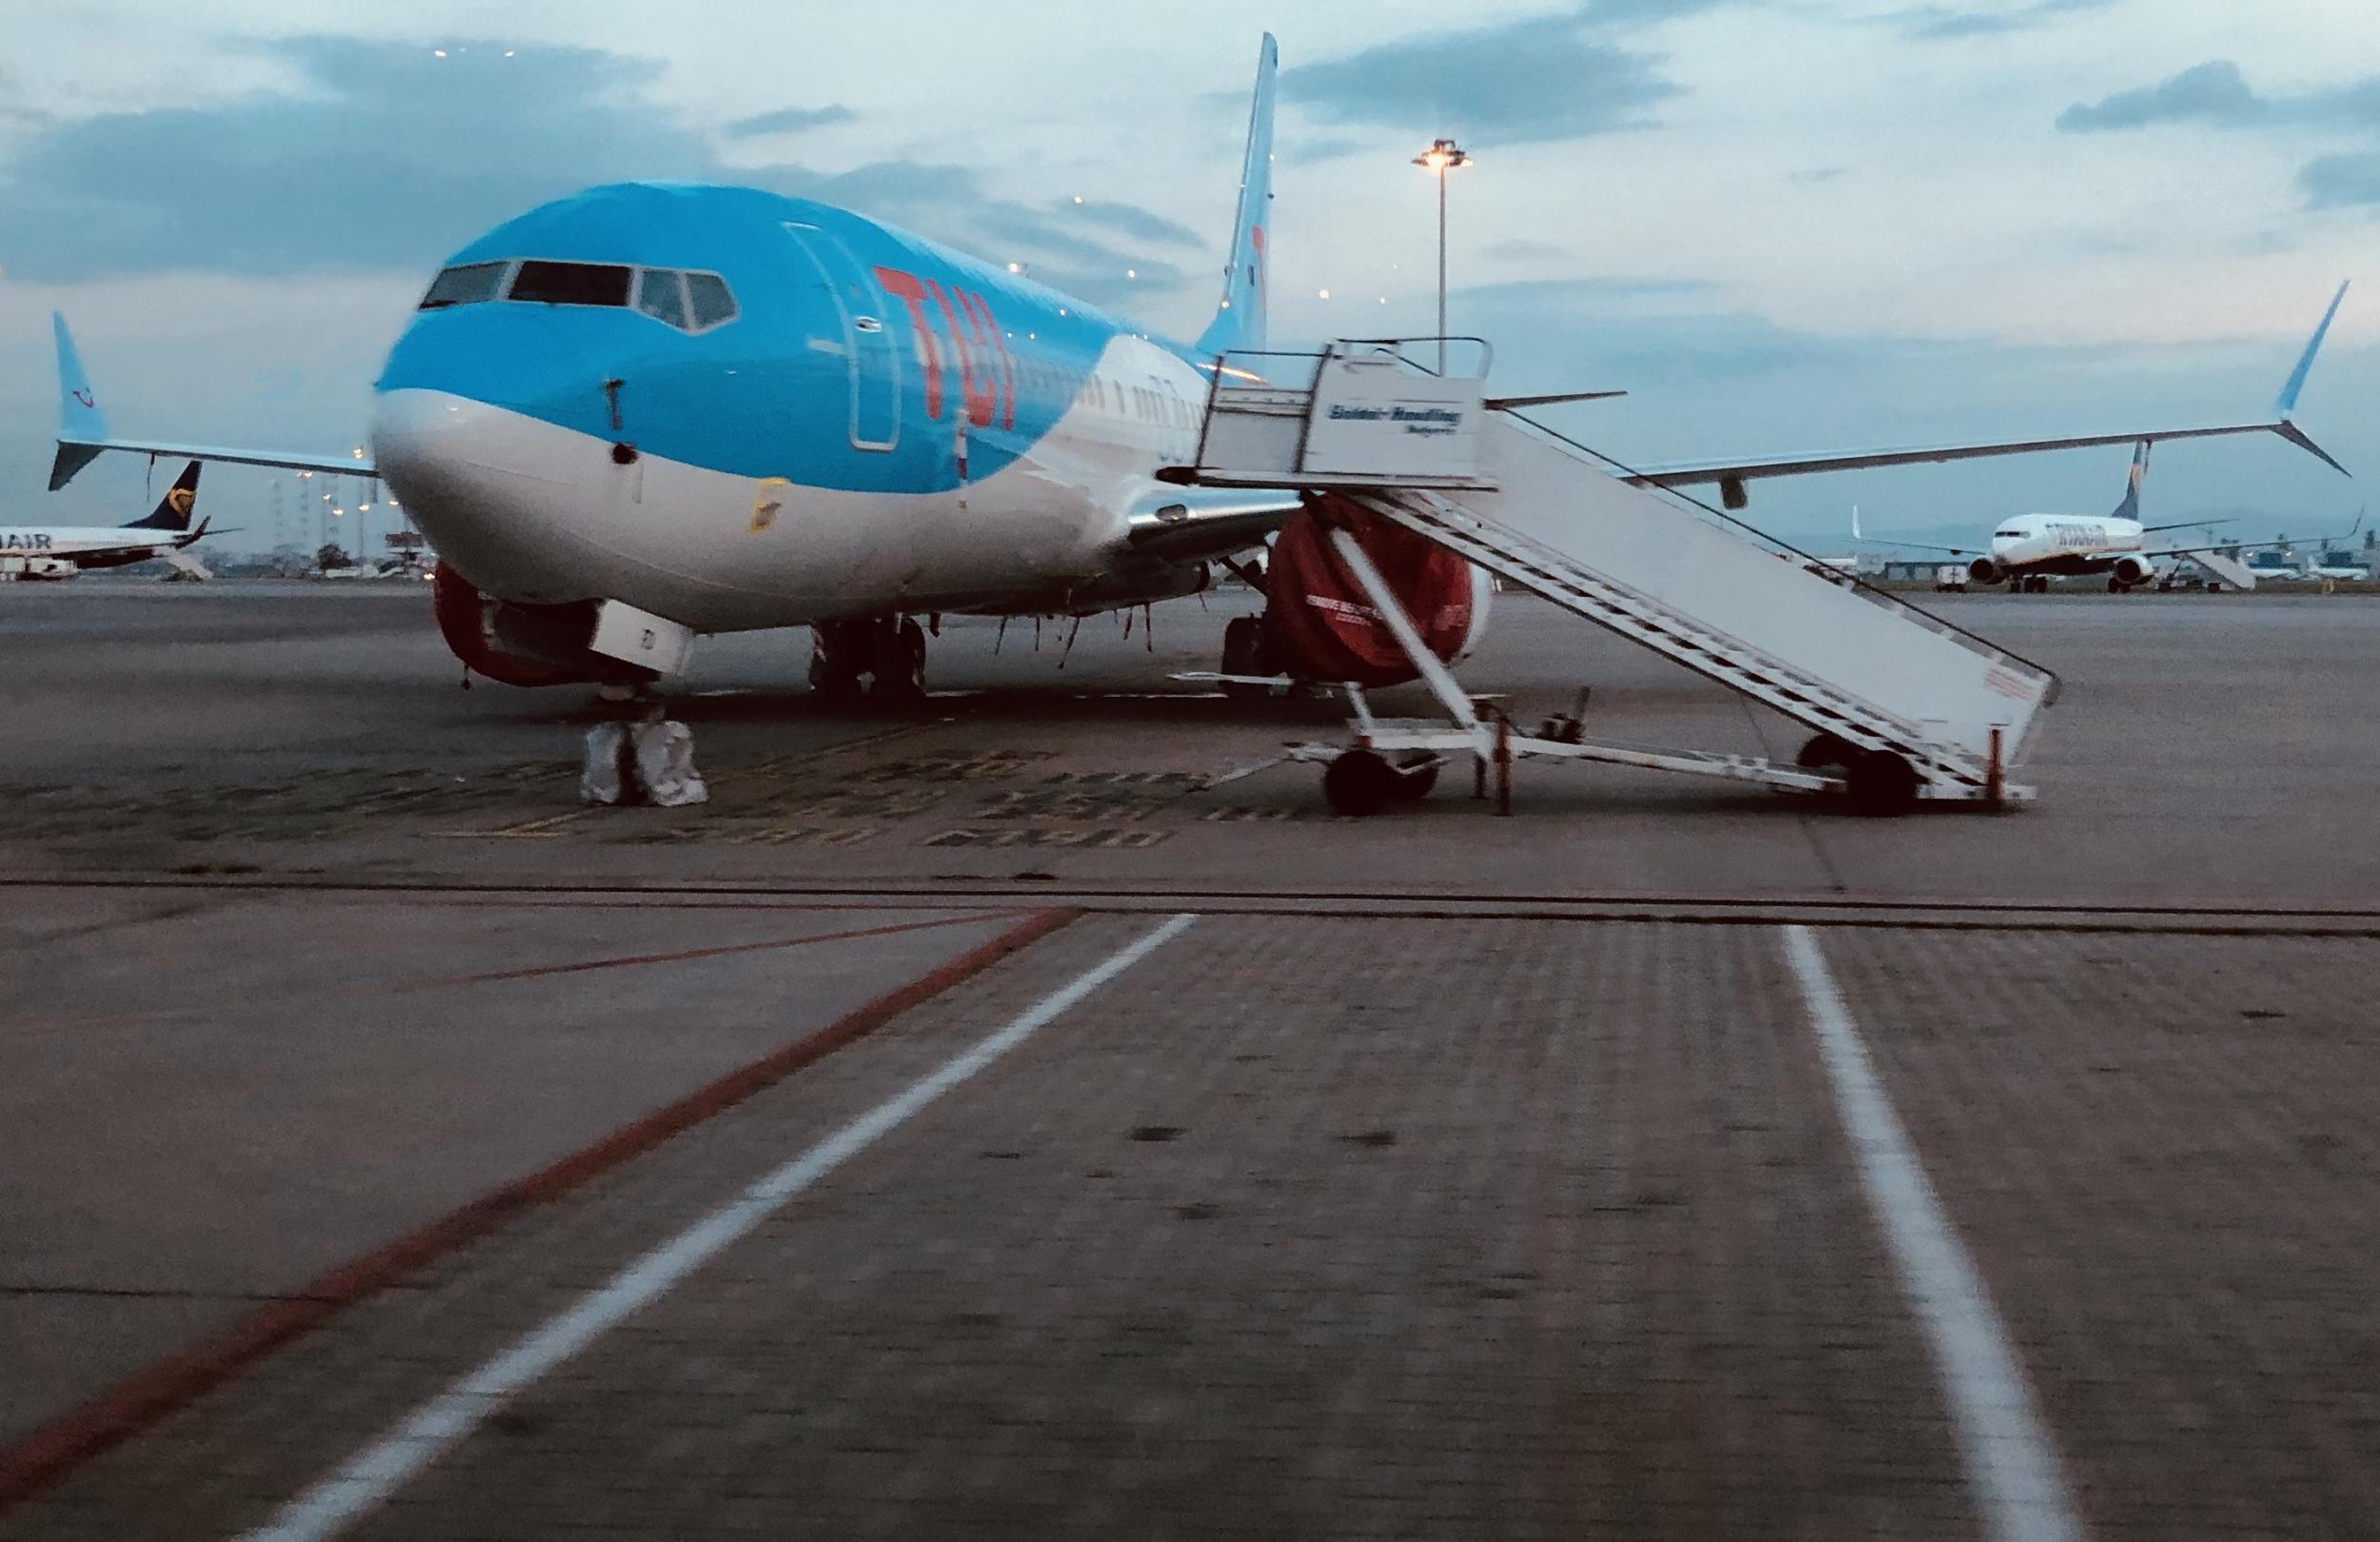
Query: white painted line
{"x": 2012, "y": 1466}
{"x": 388, "y": 1464}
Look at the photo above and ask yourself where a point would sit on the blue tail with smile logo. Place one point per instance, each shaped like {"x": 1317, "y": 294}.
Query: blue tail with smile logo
{"x": 1240, "y": 320}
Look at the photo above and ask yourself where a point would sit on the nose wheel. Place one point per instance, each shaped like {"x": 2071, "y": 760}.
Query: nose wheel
{"x": 883, "y": 656}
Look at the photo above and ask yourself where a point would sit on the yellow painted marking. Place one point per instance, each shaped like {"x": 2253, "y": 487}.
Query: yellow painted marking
{"x": 766, "y": 502}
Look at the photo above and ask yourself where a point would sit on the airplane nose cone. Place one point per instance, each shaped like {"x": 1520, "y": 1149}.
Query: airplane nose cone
{"x": 486, "y": 490}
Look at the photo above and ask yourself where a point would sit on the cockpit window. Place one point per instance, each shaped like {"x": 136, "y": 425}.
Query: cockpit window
{"x": 2007, "y": 535}
{"x": 689, "y": 302}
{"x": 659, "y": 295}
{"x": 571, "y": 283}
{"x": 466, "y": 286}
{"x": 712, "y": 303}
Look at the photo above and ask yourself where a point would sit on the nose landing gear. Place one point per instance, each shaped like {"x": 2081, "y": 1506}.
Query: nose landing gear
{"x": 887, "y": 652}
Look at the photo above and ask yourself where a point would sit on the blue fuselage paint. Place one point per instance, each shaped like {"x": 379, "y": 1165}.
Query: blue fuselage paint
{"x": 960, "y": 408}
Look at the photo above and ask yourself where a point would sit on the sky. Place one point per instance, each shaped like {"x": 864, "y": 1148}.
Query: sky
{"x": 1789, "y": 227}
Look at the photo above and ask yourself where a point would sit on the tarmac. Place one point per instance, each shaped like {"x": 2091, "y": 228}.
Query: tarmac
{"x": 1029, "y": 1112}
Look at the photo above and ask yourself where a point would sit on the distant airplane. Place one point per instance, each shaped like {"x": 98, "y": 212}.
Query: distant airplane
{"x": 60, "y": 551}
{"x": 2340, "y": 566}
{"x": 648, "y": 412}
{"x": 2295, "y": 564}
{"x": 2027, "y": 551}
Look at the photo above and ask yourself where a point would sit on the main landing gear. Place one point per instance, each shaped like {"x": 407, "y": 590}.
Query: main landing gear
{"x": 1247, "y": 654}
{"x": 887, "y": 652}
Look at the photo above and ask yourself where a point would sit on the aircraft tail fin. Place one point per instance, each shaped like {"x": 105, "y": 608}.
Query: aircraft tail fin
{"x": 174, "y": 510}
{"x": 81, "y": 425}
{"x": 2130, "y": 508}
{"x": 1240, "y": 320}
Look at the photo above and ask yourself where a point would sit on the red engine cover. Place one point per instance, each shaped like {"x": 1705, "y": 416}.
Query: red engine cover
{"x": 461, "y": 620}
{"x": 1321, "y": 624}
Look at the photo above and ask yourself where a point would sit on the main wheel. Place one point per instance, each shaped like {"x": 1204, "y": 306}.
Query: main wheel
{"x": 1826, "y": 749}
{"x": 1359, "y": 783}
{"x": 1880, "y": 784}
{"x": 831, "y": 675}
{"x": 1416, "y": 777}
{"x": 1243, "y": 654}
{"x": 896, "y": 658}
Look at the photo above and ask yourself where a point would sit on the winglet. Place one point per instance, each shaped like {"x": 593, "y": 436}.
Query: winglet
{"x": 2286, "y": 404}
{"x": 2297, "y": 436}
{"x": 1240, "y": 320}
{"x": 1855, "y": 523}
{"x": 82, "y": 427}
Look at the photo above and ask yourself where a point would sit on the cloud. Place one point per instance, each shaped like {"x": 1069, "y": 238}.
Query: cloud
{"x": 788, "y": 121}
{"x": 2216, "y": 94}
{"x": 388, "y": 157}
{"x": 1133, "y": 221}
{"x": 1946, "y": 23}
{"x": 2341, "y": 181}
{"x": 2212, "y": 92}
{"x": 1541, "y": 78}
{"x": 1522, "y": 250}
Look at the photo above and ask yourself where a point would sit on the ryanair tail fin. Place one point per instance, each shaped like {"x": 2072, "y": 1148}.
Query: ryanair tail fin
{"x": 174, "y": 510}
{"x": 1240, "y": 320}
{"x": 2130, "y": 508}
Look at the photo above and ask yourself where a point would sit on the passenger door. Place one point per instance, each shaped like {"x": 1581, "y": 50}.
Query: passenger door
{"x": 868, "y": 337}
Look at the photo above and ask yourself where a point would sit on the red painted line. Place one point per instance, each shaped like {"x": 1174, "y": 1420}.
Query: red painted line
{"x": 687, "y": 955}
{"x": 414, "y": 987}
{"x": 55, "y": 1449}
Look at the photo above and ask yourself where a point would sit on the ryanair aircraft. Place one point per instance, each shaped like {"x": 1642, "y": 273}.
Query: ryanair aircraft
{"x": 59, "y": 551}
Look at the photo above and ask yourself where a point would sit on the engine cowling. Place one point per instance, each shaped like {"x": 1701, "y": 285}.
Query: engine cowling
{"x": 1984, "y": 570}
{"x": 1320, "y": 626}
{"x": 2133, "y": 571}
{"x": 466, "y": 620}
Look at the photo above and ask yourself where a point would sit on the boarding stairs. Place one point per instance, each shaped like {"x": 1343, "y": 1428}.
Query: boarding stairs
{"x": 1903, "y": 706}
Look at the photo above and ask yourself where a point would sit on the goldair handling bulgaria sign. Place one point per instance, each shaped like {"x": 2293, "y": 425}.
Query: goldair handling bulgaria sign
{"x": 1373, "y": 417}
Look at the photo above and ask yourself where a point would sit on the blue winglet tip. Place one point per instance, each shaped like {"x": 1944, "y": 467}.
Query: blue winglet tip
{"x": 2286, "y": 404}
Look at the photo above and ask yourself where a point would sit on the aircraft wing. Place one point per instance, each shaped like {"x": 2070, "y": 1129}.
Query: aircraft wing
{"x": 74, "y": 454}
{"x": 1732, "y": 475}
{"x": 83, "y": 435}
{"x": 2347, "y": 534}
{"x": 1920, "y": 546}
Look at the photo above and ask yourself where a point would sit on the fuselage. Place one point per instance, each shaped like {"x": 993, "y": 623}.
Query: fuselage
{"x": 741, "y": 410}
{"x": 2064, "y": 543}
{"x": 86, "y": 545}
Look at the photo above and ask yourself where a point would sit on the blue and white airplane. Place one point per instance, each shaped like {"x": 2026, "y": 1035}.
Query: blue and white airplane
{"x": 732, "y": 410}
